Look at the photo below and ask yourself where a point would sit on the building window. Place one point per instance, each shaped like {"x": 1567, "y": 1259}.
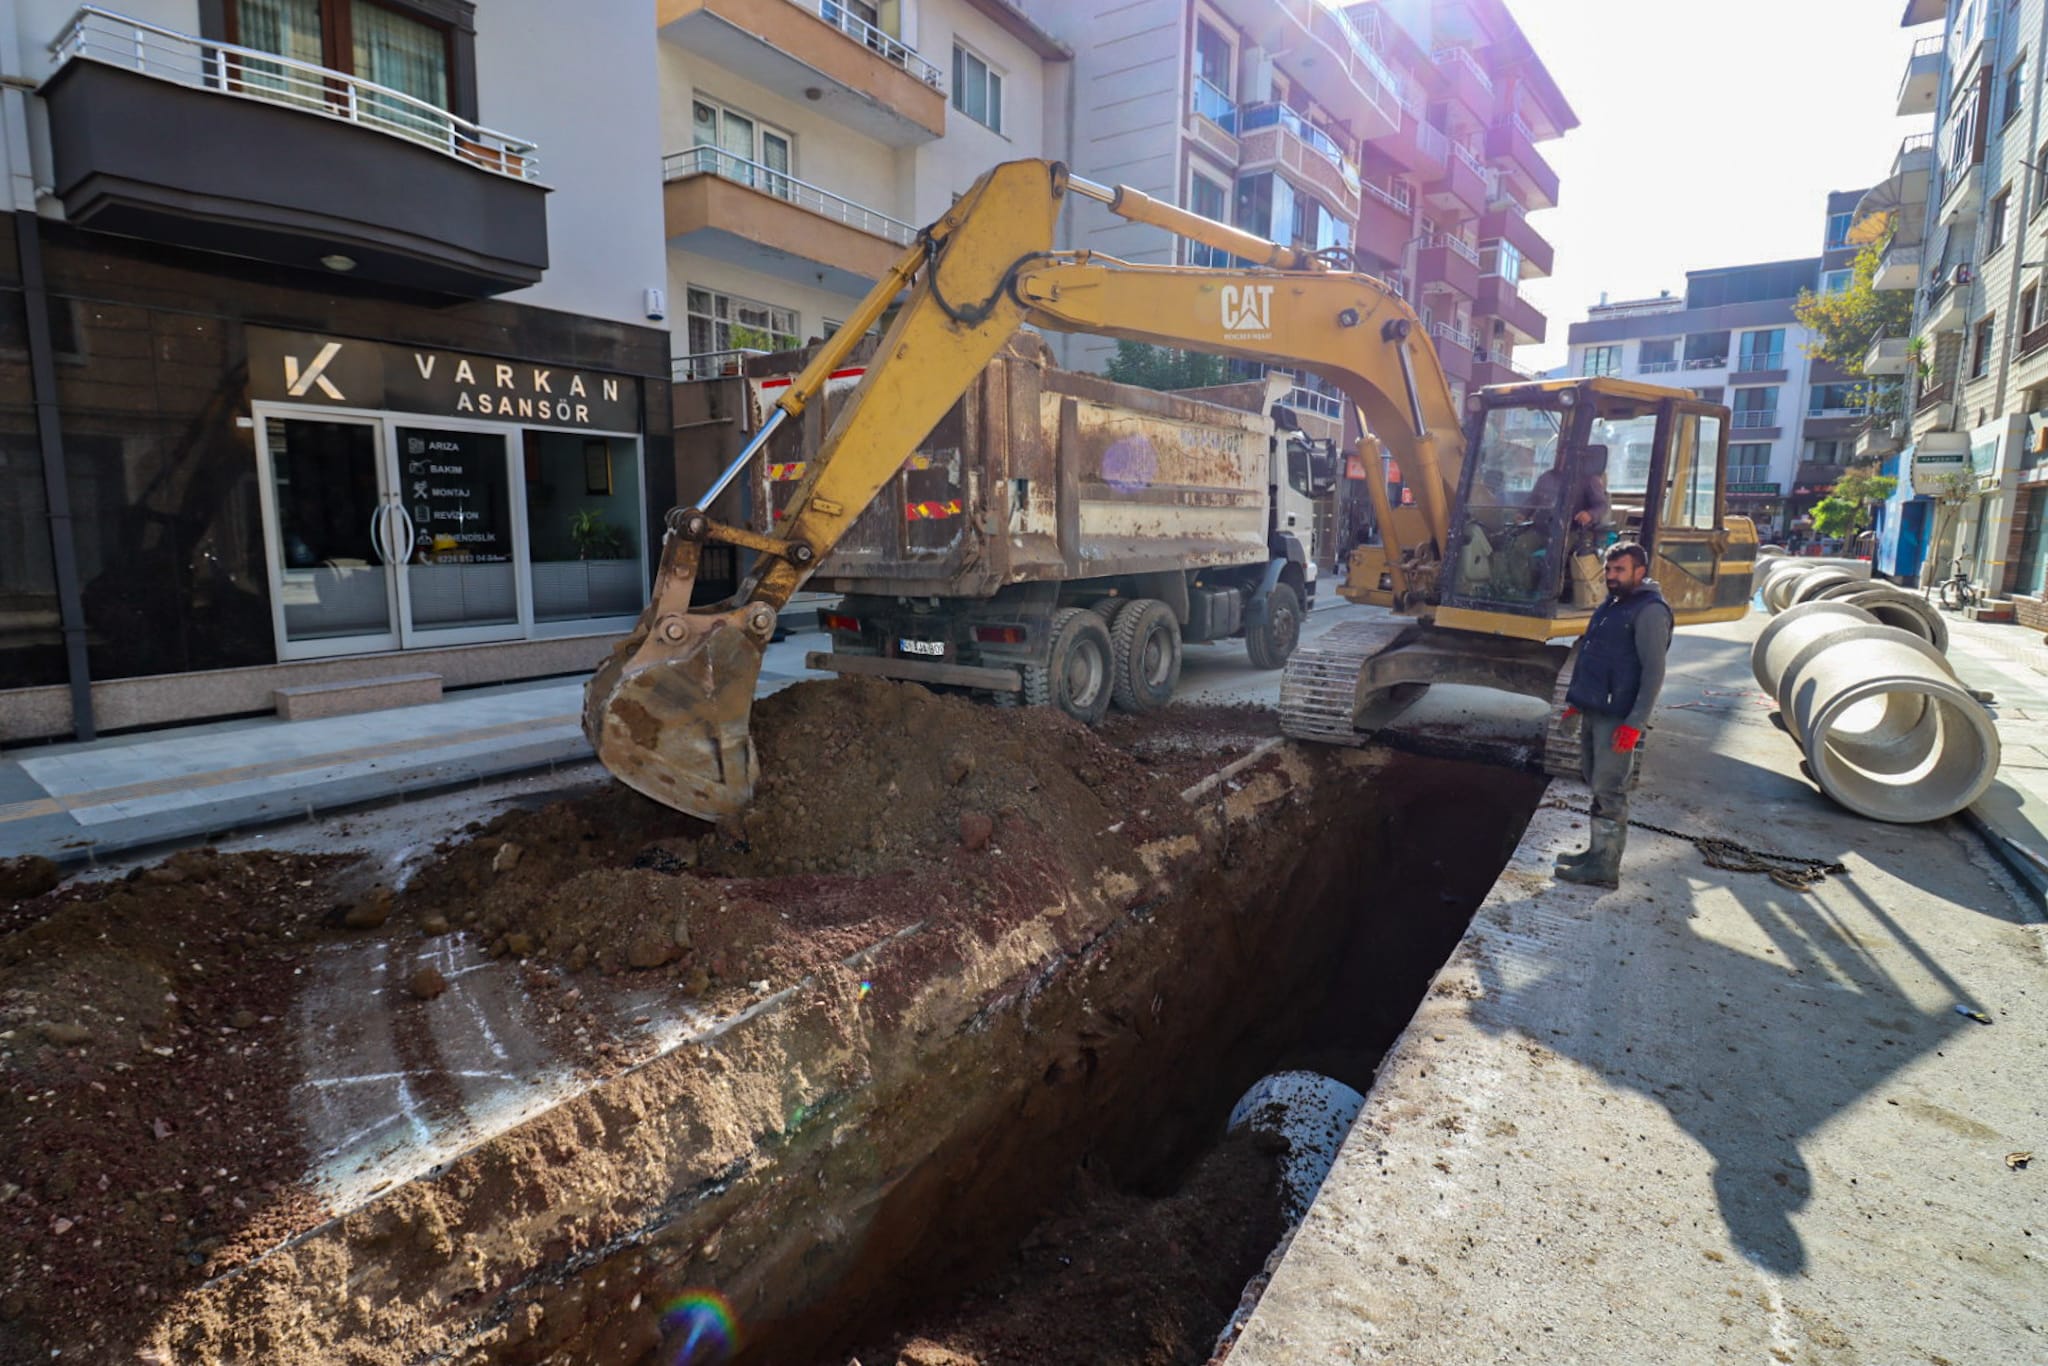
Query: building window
{"x": 1980, "y": 349}
{"x": 2001, "y": 205}
{"x": 1749, "y": 462}
{"x": 2015, "y": 80}
{"x": 1764, "y": 350}
{"x": 2041, "y": 183}
{"x": 725, "y": 322}
{"x": 387, "y": 44}
{"x": 1836, "y": 281}
{"x": 1713, "y": 393}
{"x": 1838, "y": 230}
{"x": 977, "y": 89}
{"x": 1602, "y": 360}
{"x": 1210, "y": 200}
{"x": 1826, "y": 452}
{"x": 1215, "y": 83}
{"x": 751, "y": 152}
{"x": 2030, "y": 311}
{"x": 1832, "y": 399}
{"x": 1657, "y": 357}
{"x": 1756, "y": 408}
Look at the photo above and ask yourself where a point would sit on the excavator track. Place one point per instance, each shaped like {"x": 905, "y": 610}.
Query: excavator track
{"x": 1319, "y": 691}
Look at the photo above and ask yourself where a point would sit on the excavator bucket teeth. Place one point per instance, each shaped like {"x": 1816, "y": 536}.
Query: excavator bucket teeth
{"x": 668, "y": 711}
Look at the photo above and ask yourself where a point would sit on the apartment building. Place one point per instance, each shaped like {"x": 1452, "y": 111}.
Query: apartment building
{"x": 1405, "y": 133}
{"x": 804, "y": 144}
{"x": 1733, "y": 337}
{"x": 1964, "y": 204}
{"x": 326, "y": 348}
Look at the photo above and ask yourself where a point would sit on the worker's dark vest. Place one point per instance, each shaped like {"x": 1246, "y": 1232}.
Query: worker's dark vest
{"x": 1609, "y": 675}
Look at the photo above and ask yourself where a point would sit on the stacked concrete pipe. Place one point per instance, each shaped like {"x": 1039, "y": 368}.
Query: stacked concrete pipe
{"x": 1887, "y": 729}
{"x": 1782, "y": 578}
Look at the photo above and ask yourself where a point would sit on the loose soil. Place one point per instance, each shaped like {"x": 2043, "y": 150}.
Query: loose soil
{"x": 146, "y": 1138}
{"x": 1114, "y": 1276}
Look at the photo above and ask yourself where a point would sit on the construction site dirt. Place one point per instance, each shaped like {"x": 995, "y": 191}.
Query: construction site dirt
{"x": 926, "y": 1057}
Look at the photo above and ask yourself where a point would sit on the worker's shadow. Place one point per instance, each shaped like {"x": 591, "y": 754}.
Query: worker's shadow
{"x": 1750, "y": 1045}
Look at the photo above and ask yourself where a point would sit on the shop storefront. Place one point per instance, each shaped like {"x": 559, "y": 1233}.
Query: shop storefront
{"x": 1763, "y": 504}
{"x": 430, "y": 498}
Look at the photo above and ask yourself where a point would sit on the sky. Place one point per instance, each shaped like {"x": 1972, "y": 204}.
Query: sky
{"x": 1710, "y": 134}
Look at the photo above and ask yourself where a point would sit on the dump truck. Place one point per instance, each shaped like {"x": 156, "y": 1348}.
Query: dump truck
{"x": 1057, "y": 537}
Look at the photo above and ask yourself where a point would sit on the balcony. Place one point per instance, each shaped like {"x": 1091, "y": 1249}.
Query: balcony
{"x": 1418, "y": 147}
{"x": 1498, "y": 368}
{"x": 1899, "y": 267}
{"x": 1933, "y": 396}
{"x": 1667, "y": 366}
{"x": 1921, "y": 85}
{"x": 1886, "y": 356}
{"x": 1512, "y": 147}
{"x": 1962, "y": 187}
{"x": 1328, "y": 57}
{"x": 1946, "y": 296}
{"x": 1272, "y": 137}
{"x": 1879, "y": 438}
{"x": 1758, "y": 367}
{"x": 1907, "y": 187}
{"x": 749, "y": 215}
{"x": 2033, "y": 341}
{"x": 1755, "y": 424}
{"x": 1498, "y": 298}
{"x": 1448, "y": 262}
{"x": 1831, "y": 424}
{"x": 1510, "y": 223}
{"x": 1454, "y": 350}
{"x": 1386, "y": 221}
{"x": 1463, "y": 187}
{"x": 164, "y": 136}
{"x": 866, "y": 79}
{"x": 1466, "y": 81}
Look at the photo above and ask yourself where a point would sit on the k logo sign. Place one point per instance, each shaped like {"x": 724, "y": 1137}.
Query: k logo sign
{"x": 1247, "y": 311}
{"x": 298, "y": 383}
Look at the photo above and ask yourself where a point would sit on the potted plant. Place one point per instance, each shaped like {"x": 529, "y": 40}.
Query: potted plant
{"x": 595, "y": 538}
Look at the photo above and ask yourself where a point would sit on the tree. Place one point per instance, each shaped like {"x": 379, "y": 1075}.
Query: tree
{"x": 1155, "y": 367}
{"x": 1845, "y": 512}
{"x": 1845, "y": 324}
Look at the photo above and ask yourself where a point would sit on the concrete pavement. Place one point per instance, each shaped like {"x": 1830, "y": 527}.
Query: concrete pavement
{"x": 81, "y": 802}
{"x": 1707, "y": 1117}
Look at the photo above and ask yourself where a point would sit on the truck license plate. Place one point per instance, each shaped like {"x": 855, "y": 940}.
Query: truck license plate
{"x": 922, "y": 647}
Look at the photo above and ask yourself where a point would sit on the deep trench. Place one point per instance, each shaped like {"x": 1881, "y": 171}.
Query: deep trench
{"x": 1313, "y": 957}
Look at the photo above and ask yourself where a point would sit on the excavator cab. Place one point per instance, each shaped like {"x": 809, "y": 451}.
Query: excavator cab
{"x": 1555, "y": 473}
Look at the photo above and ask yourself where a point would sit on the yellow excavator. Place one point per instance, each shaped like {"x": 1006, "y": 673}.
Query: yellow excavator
{"x": 1486, "y": 562}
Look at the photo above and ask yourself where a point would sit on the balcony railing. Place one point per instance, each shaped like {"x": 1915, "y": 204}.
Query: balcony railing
{"x": 1456, "y": 246}
{"x": 1462, "y": 56}
{"x": 1761, "y": 360}
{"x": 1834, "y": 412}
{"x": 1749, "y": 474}
{"x": 1315, "y": 401}
{"x": 1706, "y": 362}
{"x": 1446, "y": 332}
{"x": 1396, "y": 198}
{"x": 890, "y": 47}
{"x": 1367, "y": 53}
{"x": 1751, "y": 419}
{"x": 1657, "y": 367}
{"x": 1514, "y": 121}
{"x": 1471, "y": 159}
{"x": 1268, "y": 115}
{"x": 727, "y": 166}
{"x": 1929, "y": 397}
{"x": 712, "y": 364}
{"x": 1212, "y": 104}
{"x": 1434, "y": 141}
{"x": 1506, "y": 361}
{"x": 97, "y": 35}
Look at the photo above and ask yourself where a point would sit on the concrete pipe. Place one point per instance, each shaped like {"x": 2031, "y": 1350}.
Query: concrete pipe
{"x": 1893, "y": 606}
{"x": 1792, "y": 631}
{"x": 1783, "y": 577}
{"x": 1810, "y": 586}
{"x": 1769, "y": 552}
{"x": 1888, "y": 731}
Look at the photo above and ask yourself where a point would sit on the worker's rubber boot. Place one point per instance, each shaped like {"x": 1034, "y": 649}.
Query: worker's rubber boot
{"x": 1601, "y": 867}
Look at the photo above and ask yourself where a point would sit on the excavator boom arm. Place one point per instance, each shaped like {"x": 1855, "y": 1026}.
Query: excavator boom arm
{"x": 668, "y": 711}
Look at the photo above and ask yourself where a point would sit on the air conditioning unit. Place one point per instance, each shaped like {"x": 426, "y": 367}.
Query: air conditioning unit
{"x": 1258, "y": 70}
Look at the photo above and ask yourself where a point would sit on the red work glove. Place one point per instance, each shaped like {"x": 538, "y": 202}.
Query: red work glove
{"x": 1626, "y": 738}
{"x": 1569, "y": 713}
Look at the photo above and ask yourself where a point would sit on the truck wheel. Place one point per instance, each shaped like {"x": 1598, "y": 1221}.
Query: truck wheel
{"x": 1083, "y": 665}
{"x": 1270, "y": 645}
{"x": 1147, "y": 641}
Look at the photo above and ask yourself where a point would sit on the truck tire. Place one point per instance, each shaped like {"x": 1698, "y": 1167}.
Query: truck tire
{"x": 1147, "y": 641}
{"x": 1270, "y": 645}
{"x": 1082, "y": 666}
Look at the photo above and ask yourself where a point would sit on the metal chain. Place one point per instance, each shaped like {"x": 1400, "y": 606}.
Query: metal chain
{"x": 1791, "y": 871}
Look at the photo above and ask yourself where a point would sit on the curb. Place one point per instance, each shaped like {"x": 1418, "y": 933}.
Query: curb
{"x": 2014, "y": 856}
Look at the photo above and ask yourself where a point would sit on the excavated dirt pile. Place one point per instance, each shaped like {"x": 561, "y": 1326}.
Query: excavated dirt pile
{"x": 153, "y": 1169}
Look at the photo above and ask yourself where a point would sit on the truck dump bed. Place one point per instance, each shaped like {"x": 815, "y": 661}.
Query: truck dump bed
{"x": 1035, "y": 475}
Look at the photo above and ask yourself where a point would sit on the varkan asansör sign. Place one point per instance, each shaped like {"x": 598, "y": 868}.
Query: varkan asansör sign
{"x": 347, "y": 372}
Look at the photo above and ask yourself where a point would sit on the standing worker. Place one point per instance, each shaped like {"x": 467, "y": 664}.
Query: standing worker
{"x": 1614, "y": 686}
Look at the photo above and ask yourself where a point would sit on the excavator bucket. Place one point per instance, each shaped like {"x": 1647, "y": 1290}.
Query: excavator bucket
{"x": 668, "y": 711}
